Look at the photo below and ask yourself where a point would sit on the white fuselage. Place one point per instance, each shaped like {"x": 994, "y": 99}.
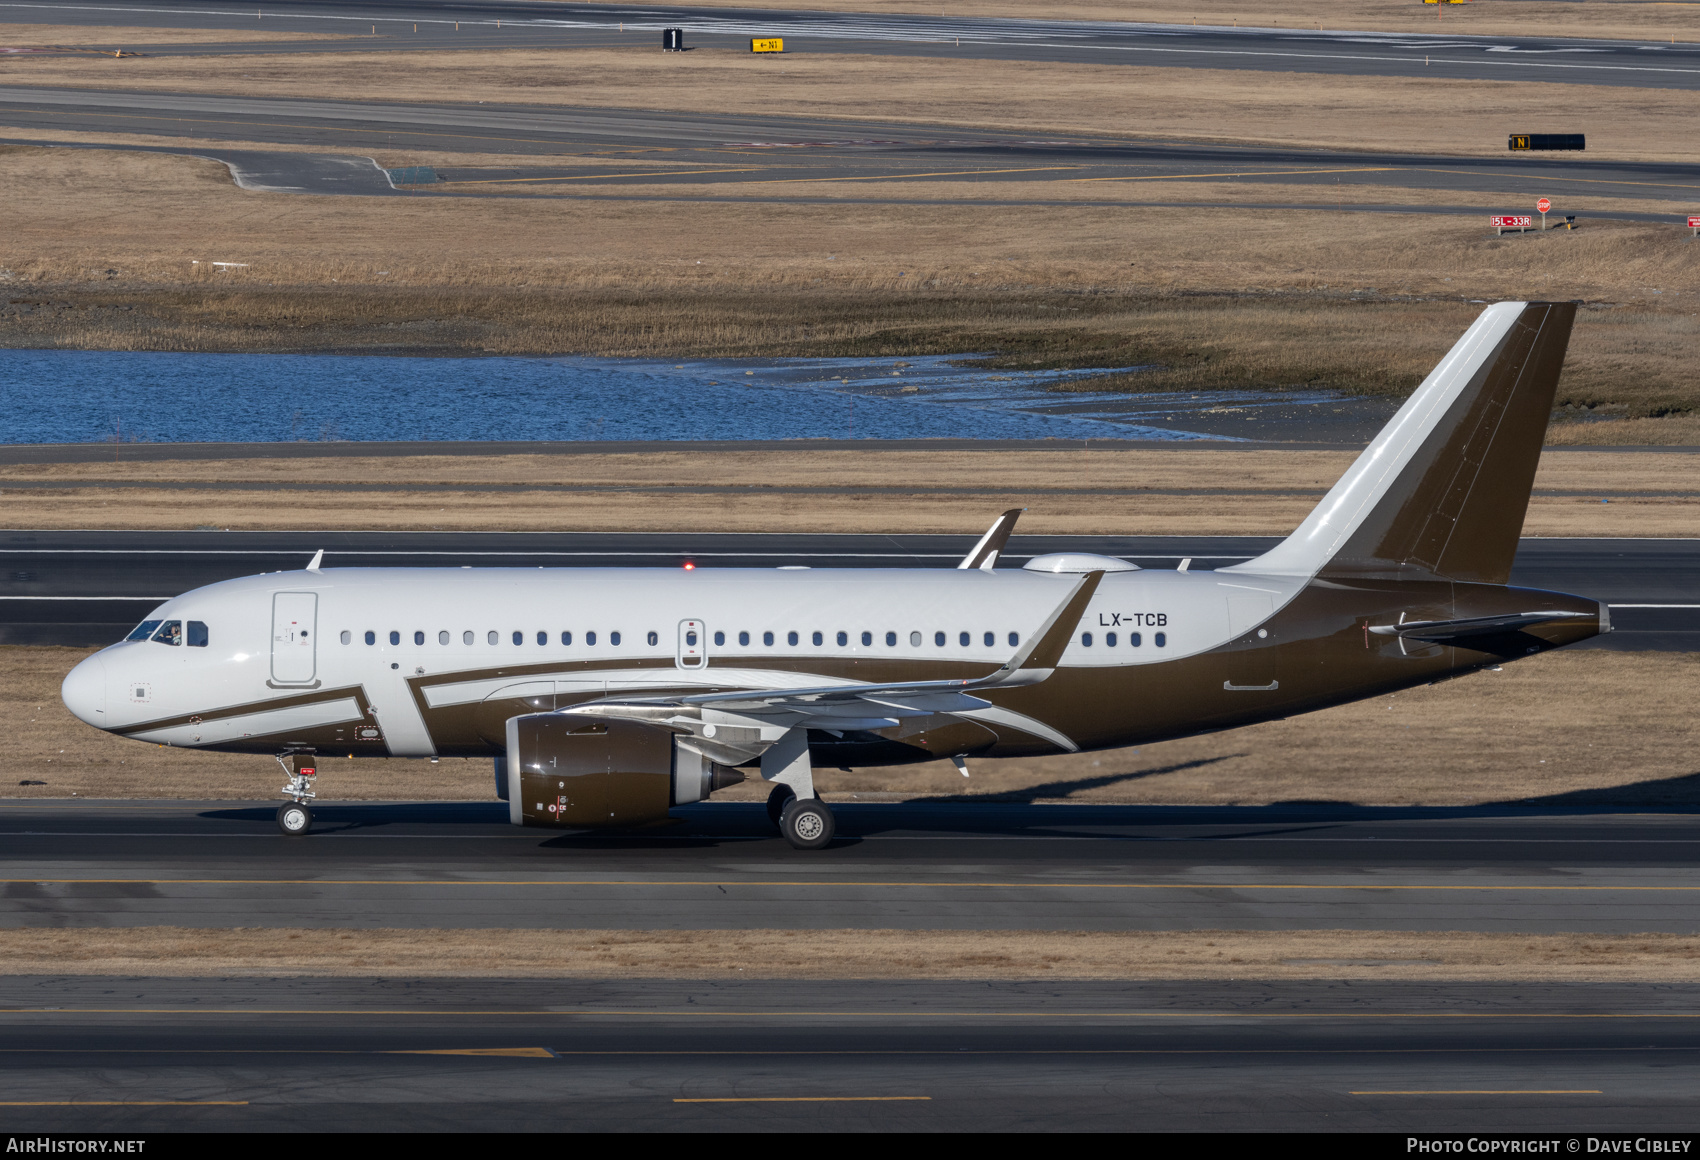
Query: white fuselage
{"x": 402, "y": 643}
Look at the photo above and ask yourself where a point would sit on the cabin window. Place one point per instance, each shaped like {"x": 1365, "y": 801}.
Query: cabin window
{"x": 767, "y": 638}
{"x": 743, "y": 638}
{"x": 915, "y": 640}
{"x": 171, "y": 632}
{"x": 1161, "y": 639}
{"x": 467, "y": 637}
{"x": 719, "y": 639}
{"x": 395, "y": 637}
{"x": 566, "y": 638}
{"x": 891, "y": 640}
{"x": 491, "y": 637}
{"x": 1086, "y": 639}
{"x": 991, "y": 639}
{"x": 145, "y": 629}
{"x": 542, "y": 638}
{"x": 964, "y": 640}
{"x": 655, "y": 638}
{"x": 791, "y": 638}
{"x": 614, "y": 639}
{"x": 843, "y": 639}
{"x": 443, "y": 637}
{"x": 590, "y": 638}
{"x": 1133, "y": 640}
{"x": 198, "y": 634}
{"x": 418, "y": 637}
{"x": 371, "y": 637}
{"x": 1014, "y": 639}
{"x": 818, "y": 639}
{"x": 347, "y": 637}
{"x": 867, "y": 638}
{"x": 1109, "y": 640}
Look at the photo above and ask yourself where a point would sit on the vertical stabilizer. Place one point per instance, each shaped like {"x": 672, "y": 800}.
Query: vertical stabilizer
{"x": 1443, "y": 489}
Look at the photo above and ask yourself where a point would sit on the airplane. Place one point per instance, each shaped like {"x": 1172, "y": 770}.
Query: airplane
{"x": 608, "y": 696}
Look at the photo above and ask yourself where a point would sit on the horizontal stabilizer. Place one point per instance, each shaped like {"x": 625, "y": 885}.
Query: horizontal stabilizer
{"x": 1439, "y": 630}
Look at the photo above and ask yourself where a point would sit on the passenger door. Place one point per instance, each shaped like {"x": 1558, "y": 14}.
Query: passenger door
{"x": 295, "y": 637}
{"x": 693, "y": 645}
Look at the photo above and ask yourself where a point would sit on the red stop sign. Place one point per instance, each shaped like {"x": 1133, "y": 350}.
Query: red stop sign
{"x": 1542, "y": 205}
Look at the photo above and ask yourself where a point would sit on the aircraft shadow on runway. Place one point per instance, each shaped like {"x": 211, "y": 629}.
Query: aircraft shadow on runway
{"x": 990, "y": 816}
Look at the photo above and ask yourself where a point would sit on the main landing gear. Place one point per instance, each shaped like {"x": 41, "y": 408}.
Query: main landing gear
{"x": 294, "y": 817}
{"x": 806, "y": 823}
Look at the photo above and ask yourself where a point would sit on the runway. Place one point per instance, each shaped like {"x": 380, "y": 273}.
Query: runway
{"x": 706, "y": 156}
{"x": 843, "y": 1056}
{"x": 409, "y": 25}
{"x": 82, "y": 588}
{"x": 1512, "y": 867}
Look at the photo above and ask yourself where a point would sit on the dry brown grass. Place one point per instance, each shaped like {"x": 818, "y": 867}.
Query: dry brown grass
{"x": 854, "y": 954}
{"x": 1672, "y": 430}
{"x": 1217, "y": 492}
{"x": 1121, "y": 100}
{"x": 1616, "y": 19}
{"x": 1217, "y": 298}
{"x": 1599, "y": 727}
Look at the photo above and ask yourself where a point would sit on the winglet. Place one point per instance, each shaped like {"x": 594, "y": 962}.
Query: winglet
{"x": 1045, "y": 647}
{"x": 318, "y": 558}
{"x": 985, "y": 553}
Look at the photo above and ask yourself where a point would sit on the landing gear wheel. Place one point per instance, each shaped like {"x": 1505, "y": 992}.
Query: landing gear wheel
{"x": 781, "y": 796}
{"x": 294, "y": 819}
{"x": 807, "y": 823}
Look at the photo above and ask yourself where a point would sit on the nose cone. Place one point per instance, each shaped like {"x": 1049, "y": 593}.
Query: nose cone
{"x": 84, "y": 692}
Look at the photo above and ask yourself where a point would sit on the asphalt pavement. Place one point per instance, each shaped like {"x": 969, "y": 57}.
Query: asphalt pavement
{"x": 711, "y": 156}
{"x": 126, "y": 1055}
{"x": 91, "y": 587}
{"x": 411, "y": 25}
{"x": 1524, "y": 866}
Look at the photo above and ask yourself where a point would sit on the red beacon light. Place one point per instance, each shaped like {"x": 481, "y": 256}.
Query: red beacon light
{"x": 689, "y": 566}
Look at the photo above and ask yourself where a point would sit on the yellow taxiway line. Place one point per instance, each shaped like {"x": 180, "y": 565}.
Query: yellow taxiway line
{"x": 797, "y": 1099}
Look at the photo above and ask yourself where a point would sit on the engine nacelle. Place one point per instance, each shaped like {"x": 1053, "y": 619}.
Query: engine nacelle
{"x": 579, "y": 771}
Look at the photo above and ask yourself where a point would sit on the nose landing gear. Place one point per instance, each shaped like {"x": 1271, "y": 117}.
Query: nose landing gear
{"x": 294, "y": 817}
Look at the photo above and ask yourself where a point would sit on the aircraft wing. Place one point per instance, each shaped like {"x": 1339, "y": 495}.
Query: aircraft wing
{"x": 1442, "y": 630}
{"x": 1032, "y": 664}
{"x": 862, "y": 706}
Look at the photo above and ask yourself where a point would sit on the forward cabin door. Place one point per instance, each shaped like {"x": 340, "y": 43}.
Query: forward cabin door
{"x": 295, "y": 637}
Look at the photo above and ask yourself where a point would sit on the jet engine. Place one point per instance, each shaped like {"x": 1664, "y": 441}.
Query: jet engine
{"x": 579, "y": 771}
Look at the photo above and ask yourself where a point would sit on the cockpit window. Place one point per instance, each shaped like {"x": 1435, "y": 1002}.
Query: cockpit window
{"x": 143, "y": 630}
{"x": 197, "y": 634}
{"x": 171, "y": 632}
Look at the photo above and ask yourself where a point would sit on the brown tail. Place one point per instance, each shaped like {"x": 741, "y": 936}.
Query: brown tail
{"x": 1443, "y": 490}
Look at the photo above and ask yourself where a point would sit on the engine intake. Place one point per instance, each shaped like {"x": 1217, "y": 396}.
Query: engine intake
{"x": 580, "y": 771}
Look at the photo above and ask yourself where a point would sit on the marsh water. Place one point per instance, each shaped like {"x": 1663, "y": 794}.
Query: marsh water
{"x": 61, "y": 396}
